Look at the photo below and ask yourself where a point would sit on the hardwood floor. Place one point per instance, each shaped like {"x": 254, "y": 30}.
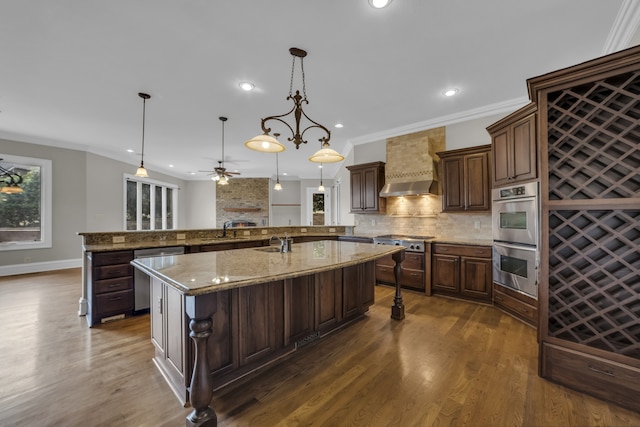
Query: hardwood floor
{"x": 449, "y": 363}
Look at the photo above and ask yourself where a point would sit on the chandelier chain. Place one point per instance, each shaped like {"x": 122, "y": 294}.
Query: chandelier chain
{"x": 304, "y": 86}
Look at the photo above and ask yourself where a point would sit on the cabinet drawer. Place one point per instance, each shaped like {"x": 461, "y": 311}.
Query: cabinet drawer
{"x": 112, "y": 285}
{"x": 477, "y": 251}
{"x": 110, "y": 258}
{"x": 112, "y": 271}
{"x": 114, "y": 302}
{"x": 502, "y": 299}
{"x": 384, "y": 273}
{"x": 408, "y": 278}
{"x": 593, "y": 375}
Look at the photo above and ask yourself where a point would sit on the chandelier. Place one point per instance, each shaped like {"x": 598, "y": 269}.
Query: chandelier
{"x": 268, "y": 144}
{"x": 11, "y": 181}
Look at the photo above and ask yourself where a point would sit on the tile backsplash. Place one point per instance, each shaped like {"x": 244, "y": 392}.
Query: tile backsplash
{"x": 421, "y": 215}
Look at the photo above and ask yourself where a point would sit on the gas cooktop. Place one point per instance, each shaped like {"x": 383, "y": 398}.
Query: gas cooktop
{"x": 411, "y": 243}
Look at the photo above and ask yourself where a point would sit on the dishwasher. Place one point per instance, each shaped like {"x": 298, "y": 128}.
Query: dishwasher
{"x": 141, "y": 290}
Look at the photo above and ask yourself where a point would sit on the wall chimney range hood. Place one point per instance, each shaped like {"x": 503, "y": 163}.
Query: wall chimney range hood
{"x": 410, "y": 169}
{"x": 409, "y": 188}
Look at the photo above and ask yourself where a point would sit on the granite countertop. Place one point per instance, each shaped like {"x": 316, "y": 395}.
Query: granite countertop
{"x": 206, "y": 272}
{"x": 158, "y": 243}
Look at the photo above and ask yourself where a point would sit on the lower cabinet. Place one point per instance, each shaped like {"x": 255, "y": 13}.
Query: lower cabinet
{"x": 415, "y": 272}
{"x": 255, "y": 325}
{"x": 516, "y": 304}
{"x": 462, "y": 271}
{"x": 110, "y": 286}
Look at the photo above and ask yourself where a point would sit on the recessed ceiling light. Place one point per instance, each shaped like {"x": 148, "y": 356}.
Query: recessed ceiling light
{"x": 129, "y": 150}
{"x": 339, "y": 125}
{"x": 284, "y": 173}
{"x": 247, "y": 86}
{"x": 192, "y": 173}
{"x": 379, "y": 4}
{"x": 450, "y": 92}
{"x": 170, "y": 166}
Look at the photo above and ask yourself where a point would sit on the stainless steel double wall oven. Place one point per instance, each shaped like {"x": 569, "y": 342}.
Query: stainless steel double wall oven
{"x": 516, "y": 254}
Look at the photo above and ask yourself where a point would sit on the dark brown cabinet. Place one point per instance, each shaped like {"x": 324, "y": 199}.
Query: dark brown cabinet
{"x": 514, "y": 147}
{"x": 462, "y": 271}
{"x": 367, "y": 180}
{"x": 516, "y": 304}
{"x": 415, "y": 273}
{"x": 110, "y": 290}
{"x": 466, "y": 182}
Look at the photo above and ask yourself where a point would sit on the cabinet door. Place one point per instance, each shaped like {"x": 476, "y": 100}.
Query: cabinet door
{"x": 328, "y": 288}
{"x": 174, "y": 324}
{"x": 370, "y": 194}
{"x": 446, "y": 273}
{"x": 157, "y": 316}
{"x": 357, "y": 182}
{"x": 477, "y": 188}
{"x": 351, "y": 291}
{"x": 260, "y": 322}
{"x": 524, "y": 150}
{"x": 453, "y": 196}
{"x": 501, "y": 157}
{"x": 475, "y": 278}
{"x": 367, "y": 283}
{"x": 301, "y": 315}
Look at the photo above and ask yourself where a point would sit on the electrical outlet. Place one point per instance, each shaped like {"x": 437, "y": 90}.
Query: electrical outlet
{"x": 303, "y": 230}
{"x": 373, "y": 222}
{"x": 181, "y": 236}
{"x": 476, "y": 225}
{"x": 332, "y": 230}
{"x": 118, "y": 239}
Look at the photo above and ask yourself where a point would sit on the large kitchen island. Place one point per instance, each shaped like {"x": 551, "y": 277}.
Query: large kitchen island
{"x": 219, "y": 316}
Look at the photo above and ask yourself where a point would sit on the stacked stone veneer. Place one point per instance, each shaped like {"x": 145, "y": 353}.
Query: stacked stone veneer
{"x": 243, "y": 199}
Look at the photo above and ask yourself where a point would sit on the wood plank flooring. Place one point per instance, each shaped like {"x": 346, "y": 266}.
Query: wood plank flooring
{"x": 449, "y": 363}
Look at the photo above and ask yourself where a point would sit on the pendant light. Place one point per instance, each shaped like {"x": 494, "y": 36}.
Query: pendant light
{"x": 278, "y": 186}
{"x": 142, "y": 172}
{"x": 321, "y": 187}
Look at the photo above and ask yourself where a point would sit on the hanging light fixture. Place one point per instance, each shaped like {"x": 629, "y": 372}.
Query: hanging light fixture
{"x": 142, "y": 172}
{"x": 321, "y": 187}
{"x": 268, "y": 144}
{"x": 278, "y": 186}
{"x": 11, "y": 180}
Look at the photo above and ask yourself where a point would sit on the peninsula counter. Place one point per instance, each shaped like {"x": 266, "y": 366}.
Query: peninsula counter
{"x": 244, "y": 309}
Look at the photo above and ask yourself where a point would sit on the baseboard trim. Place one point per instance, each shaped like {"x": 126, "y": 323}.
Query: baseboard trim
{"x": 37, "y": 267}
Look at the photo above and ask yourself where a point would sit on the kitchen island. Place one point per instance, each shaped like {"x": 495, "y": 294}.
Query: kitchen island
{"x": 219, "y": 316}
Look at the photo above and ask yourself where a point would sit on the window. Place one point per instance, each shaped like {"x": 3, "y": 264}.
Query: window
{"x": 25, "y": 217}
{"x": 150, "y": 205}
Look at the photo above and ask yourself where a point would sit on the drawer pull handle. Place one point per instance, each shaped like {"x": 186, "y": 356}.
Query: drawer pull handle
{"x": 112, "y": 285}
{"x": 523, "y": 310}
{"x": 601, "y": 371}
{"x": 115, "y": 299}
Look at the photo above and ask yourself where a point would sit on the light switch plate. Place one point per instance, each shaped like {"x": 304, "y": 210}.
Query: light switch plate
{"x": 303, "y": 230}
{"x": 118, "y": 239}
{"x": 332, "y": 230}
{"x": 181, "y": 236}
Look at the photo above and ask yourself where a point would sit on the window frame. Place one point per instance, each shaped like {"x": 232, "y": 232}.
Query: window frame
{"x": 153, "y": 183}
{"x": 46, "y": 204}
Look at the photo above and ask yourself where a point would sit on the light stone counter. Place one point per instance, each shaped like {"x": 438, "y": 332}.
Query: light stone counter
{"x": 206, "y": 272}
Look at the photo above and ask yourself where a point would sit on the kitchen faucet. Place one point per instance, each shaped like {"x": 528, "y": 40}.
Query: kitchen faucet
{"x": 285, "y": 243}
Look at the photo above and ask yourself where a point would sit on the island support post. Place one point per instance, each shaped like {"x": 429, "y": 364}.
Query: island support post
{"x": 200, "y": 309}
{"x": 397, "y": 309}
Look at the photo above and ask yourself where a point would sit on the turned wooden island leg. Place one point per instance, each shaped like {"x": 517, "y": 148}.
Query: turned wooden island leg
{"x": 200, "y": 309}
{"x": 397, "y": 309}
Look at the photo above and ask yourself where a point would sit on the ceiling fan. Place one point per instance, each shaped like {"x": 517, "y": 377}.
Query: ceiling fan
{"x": 220, "y": 173}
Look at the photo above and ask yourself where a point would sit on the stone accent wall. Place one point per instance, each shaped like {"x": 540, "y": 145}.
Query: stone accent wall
{"x": 243, "y": 199}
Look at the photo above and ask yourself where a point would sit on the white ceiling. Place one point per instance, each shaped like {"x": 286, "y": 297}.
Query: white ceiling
{"x": 71, "y": 70}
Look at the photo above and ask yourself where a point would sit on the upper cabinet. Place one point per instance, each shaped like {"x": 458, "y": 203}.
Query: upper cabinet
{"x": 514, "y": 147}
{"x": 466, "y": 181}
{"x": 367, "y": 180}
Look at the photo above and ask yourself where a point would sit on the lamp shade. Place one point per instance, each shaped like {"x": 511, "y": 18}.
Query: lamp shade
{"x": 278, "y": 186}
{"x": 326, "y": 155}
{"x": 142, "y": 172}
{"x": 264, "y": 143}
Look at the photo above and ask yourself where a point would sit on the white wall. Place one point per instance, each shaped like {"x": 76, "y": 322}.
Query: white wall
{"x": 289, "y": 195}
{"x": 470, "y": 133}
{"x": 199, "y": 201}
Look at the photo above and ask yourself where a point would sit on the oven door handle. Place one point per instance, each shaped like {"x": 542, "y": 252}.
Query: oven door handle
{"x": 514, "y": 246}
{"x": 515, "y": 199}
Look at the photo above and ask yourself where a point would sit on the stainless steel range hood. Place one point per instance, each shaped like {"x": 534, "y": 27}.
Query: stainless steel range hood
{"x": 410, "y": 188}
